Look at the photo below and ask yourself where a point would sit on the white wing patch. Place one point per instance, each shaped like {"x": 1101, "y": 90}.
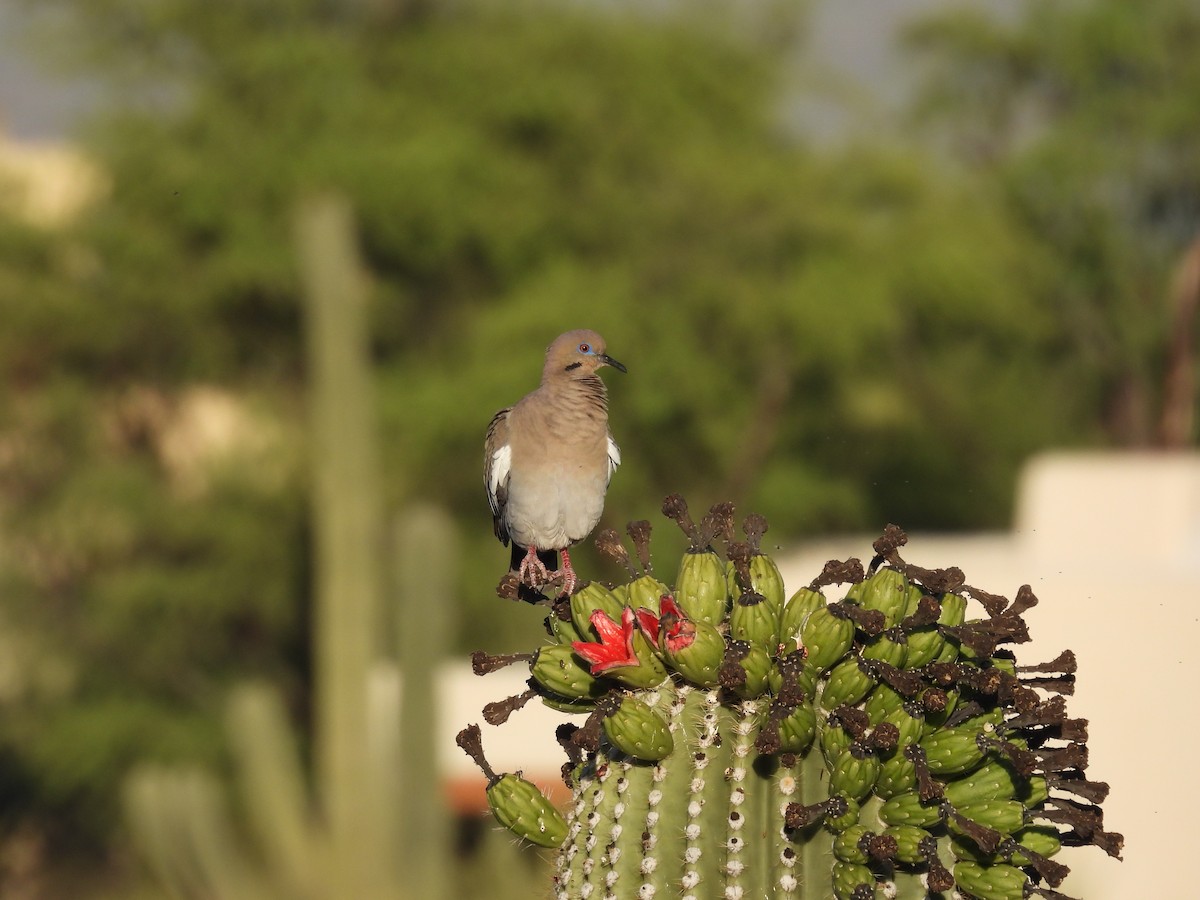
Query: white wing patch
{"x": 614, "y": 456}
{"x": 498, "y": 475}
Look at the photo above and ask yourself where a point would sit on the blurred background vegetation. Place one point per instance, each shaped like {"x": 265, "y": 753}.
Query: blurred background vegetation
{"x": 838, "y": 330}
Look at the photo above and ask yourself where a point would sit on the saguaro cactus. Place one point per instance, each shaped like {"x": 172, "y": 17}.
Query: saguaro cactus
{"x": 737, "y": 745}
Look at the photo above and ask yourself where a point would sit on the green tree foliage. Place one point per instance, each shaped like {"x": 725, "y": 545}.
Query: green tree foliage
{"x": 1084, "y": 114}
{"x": 835, "y": 339}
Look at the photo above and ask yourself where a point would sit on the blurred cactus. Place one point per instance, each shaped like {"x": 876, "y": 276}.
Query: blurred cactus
{"x": 374, "y": 755}
{"x": 878, "y": 745}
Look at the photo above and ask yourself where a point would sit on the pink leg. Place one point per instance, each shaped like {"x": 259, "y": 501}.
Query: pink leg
{"x": 567, "y": 573}
{"x": 531, "y": 565}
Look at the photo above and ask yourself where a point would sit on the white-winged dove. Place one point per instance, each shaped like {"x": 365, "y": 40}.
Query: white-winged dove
{"x": 548, "y": 460}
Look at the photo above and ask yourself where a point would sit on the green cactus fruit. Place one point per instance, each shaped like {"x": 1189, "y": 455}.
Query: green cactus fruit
{"x": 646, "y": 591}
{"x": 1005, "y": 816}
{"x": 896, "y": 776}
{"x": 852, "y": 881}
{"x": 586, "y": 601}
{"x": 998, "y": 882}
{"x": 848, "y": 683}
{"x": 848, "y": 846}
{"x": 884, "y": 649}
{"x": 910, "y": 841}
{"x": 701, "y": 589}
{"x": 639, "y": 731}
{"x": 826, "y": 637}
{"x": 909, "y": 809}
{"x": 802, "y": 604}
{"x": 1042, "y": 840}
{"x": 886, "y": 591}
{"x": 759, "y": 667}
{"x": 563, "y": 630}
{"x": 560, "y": 671}
{"x": 520, "y": 807}
{"x": 797, "y": 729}
{"x": 952, "y": 751}
{"x": 765, "y": 579}
{"x": 696, "y": 652}
{"x": 882, "y": 702}
{"x": 854, "y": 773}
{"x": 995, "y": 780}
{"x": 839, "y": 823}
{"x": 755, "y": 620}
{"x": 926, "y": 642}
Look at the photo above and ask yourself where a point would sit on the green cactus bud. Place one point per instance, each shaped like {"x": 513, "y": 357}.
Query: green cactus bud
{"x": 646, "y": 591}
{"x": 698, "y": 659}
{"x": 909, "y": 839}
{"x": 765, "y": 579}
{"x": 886, "y": 591}
{"x": 639, "y": 731}
{"x": 882, "y": 702}
{"x": 953, "y": 751}
{"x": 908, "y": 809}
{"x": 854, "y": 773}
{"x": 1005, "y": 816}
{"x": 797, "y": 729}
{"x": 834, "y": 740}
{"x": 999, "y": 882}
{"x": 852, "y": 881}
{"x": 753, "y": 619}
{"x": 994, "y": 780}
{"x": 838, "y": 824}
{"x": 846, "y": 845}
{"x": 1036, "y": 792}
{"x": 1040, "y": 839}
{"x": 896, "y": 776}
{"x": 520, "y": 807}
{"x": 803, "y": 603}
{"x": 586, "y": 601}
{"x": 886, "y": 650}
{"x": 563, "y": 630}
{"x": 758, "y": 666}
{"x": 560, "y": 671}
{"x": 925, "y": 644}
{"x": 910, "y": 726}
{"x": 847, "y": 683}
{"x": 826, "y": 637}
{"x": 700, "y": 588}
{"x": 571, "y": 707}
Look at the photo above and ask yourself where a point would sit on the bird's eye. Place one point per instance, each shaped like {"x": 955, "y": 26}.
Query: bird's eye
{"x": 585, "y": 348}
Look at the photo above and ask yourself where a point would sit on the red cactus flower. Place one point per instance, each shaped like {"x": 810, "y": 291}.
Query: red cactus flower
{"x": 615, "y": 647}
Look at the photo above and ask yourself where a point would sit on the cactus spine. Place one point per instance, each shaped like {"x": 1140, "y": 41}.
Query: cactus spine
{"x": 823, "y": 761}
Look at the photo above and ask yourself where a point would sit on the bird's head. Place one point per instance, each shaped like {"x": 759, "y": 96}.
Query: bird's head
{"x": 577, "y": 353}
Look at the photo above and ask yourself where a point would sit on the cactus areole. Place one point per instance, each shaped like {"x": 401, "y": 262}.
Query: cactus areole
{"x": 872, "y": 736}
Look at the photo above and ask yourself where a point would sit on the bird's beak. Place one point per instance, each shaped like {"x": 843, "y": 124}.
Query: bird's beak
{"x": 609, "y": 361}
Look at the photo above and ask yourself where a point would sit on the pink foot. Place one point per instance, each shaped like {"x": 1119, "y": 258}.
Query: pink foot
{"x": 532, "y": 571}
{"x": 566, "y": 573}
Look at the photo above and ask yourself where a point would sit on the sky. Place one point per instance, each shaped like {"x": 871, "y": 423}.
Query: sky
{"x": 853, "y": 39}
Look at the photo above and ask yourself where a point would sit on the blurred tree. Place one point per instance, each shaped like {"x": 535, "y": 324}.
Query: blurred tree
{"x": 835, "y": 339}
{"x": 1084, "y": 113}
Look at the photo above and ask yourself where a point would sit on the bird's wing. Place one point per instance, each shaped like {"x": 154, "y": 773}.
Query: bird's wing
{"x": 614, "y": 457}
{"x": 497, "y": 461}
